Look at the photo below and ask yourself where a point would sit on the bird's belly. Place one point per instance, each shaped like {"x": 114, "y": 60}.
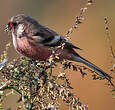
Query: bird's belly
{"x": 31, "y": 50}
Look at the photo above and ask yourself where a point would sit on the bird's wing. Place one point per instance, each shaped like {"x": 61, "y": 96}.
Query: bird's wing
{"x": 70, "y": 45}
{"x": 48, "y": 37}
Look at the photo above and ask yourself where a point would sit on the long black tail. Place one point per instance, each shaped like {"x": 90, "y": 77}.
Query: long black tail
{"x": 89, "y": 64}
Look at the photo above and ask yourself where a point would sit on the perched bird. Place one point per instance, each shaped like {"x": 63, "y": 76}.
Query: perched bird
{"x": 34, "y": 41}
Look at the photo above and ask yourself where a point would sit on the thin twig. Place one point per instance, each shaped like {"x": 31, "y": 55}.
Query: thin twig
{"x": 108, "y": 35}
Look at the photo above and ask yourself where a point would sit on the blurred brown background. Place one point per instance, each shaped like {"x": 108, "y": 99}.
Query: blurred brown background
{"x": 90, "y": 36}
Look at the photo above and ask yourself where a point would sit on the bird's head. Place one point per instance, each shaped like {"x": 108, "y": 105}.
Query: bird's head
{"x": 15, "y": 21}
{"x": 19, "y": 19}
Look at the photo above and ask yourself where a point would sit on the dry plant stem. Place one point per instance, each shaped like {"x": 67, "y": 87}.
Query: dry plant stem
{"x": 108, "y": 34}
{"x": 78, "y": 19}
{"x": 5, "y": 52}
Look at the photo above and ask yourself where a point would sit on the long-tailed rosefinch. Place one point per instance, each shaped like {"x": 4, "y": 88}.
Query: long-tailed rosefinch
{"x": 34, "y": 41}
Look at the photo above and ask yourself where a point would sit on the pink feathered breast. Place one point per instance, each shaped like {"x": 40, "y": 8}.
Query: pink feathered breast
{"x": 37, "y": 52}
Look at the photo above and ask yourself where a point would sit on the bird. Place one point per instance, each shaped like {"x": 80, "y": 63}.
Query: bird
{"x": 36, "y": 41}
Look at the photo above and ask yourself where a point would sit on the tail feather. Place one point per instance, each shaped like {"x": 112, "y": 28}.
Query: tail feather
{"x": 94, "y": 67}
